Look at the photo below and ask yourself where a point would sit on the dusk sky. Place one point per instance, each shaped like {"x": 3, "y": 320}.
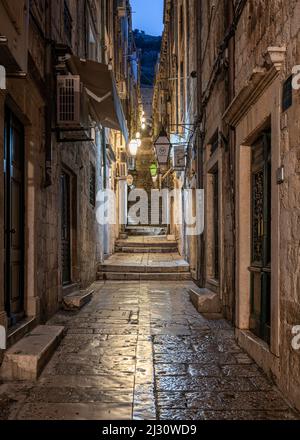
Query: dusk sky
{"x": 148, "y": 16}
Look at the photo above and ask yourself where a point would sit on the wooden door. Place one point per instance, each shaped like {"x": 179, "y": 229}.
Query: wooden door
{"x": 260, "y": 321}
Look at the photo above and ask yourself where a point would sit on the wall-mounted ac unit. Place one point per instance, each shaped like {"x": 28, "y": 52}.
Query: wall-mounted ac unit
{"x": 122, "y": 89}
{"x": 72, "y": 108}
{"x": 123, "y": 172}
{"x": 122, "y": 8}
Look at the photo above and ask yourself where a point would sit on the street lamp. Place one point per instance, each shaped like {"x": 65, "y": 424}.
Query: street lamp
{"x": 133, "y": 147}
{"x": 162, "y": 147}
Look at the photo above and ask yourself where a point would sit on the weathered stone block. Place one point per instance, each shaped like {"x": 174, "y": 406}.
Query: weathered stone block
{"x": 205, "y": 301}
{"x": 78, "y": 299}
{"x": 26, "y": 359}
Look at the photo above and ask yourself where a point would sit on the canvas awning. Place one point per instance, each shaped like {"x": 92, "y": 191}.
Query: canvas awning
{"x": 102, "y": 90}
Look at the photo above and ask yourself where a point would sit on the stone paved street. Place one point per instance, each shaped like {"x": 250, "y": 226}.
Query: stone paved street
{"x": 141, "y": 351}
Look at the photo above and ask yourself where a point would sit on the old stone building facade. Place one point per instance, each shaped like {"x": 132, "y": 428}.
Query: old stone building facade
{"x": 242, "y": 148}
{"x": 175, "y": 103}
{"x": 53, "y": 170}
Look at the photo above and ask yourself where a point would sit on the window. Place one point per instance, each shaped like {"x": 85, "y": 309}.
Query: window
{"x": 92, "y": 45}
{"x": 215, "y": 142}
{"x": 67, "y": 23}
{"x": 181, "y": 23}
{"x": 287, "y": 94}
{"x": 182, "y": 91}
{"x": 92, "y": 185}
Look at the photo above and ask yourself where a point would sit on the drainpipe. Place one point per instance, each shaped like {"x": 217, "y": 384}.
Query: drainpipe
{"x": 104, "y": 158}
{"x": 49, "y": 98}
{"x": 103, "y": 137}
{"x": 231, "y": 150}
{"x": 200, "y": 158}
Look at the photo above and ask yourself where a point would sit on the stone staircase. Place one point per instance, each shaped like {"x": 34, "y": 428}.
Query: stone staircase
{"x": 155, "y": 244}
{"x": 145, "y": 258}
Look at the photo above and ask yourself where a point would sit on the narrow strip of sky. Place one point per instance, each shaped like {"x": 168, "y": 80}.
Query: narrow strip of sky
{"x": 148, "y": 16}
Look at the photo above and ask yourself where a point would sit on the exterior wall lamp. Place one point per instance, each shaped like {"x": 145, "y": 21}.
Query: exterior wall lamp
{"x": 133, "y": 147}
{"x": 162, "y": 148}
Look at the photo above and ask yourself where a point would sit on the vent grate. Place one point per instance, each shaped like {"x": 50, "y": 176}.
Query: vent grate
{"x": 68, "y": 100}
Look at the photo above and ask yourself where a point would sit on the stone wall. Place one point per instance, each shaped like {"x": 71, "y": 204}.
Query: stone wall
{"x": 262, "y": 25}
{"x": 43, "y": 273}
{"x": 240, "y": 82}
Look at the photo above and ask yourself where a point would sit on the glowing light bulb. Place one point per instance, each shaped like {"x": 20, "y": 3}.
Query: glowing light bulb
{"x": 133, "y": 147}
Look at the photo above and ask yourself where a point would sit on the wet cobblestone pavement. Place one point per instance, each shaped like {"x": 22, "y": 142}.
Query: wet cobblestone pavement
{"x": 141, "y": 351}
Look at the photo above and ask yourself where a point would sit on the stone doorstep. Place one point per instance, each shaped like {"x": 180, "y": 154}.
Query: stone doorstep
{"x": 26, "y": 359}
{"x": 77, "y": 300}
{"x": 177, "y": 276}
{"x": 206, "y": 302}
{"x": 70, "y": 288}
{"x": 18, "y": 331}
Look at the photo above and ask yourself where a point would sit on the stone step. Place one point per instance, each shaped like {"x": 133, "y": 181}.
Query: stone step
{"x": 137, "y": 268}
{"x": 76, "y": 300}
{"x": 70, "y": 288}
{"x": 146, "y": 231}
{"x": 159, "y": 276}
{"x": 206, "y": 302}
{"x": 26, "y": 359}
{"x": 150, "y": 243}
{"x": 145, "y": 250}
{"x": 19, "y": 330}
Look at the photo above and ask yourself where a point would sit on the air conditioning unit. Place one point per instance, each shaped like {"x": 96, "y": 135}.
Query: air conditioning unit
{"x": 123, "y": 171}
{"x": 72, "y": 108}
{"x": 122, "y": 8}
{"x": 122, "y": 12}
{"x": 122, "y": 89}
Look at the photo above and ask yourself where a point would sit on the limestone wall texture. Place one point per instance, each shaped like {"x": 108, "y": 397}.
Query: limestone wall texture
{"x": 245, "y": 52}
{"x": 277, "y": 24}
{"x": 52, "y": 28}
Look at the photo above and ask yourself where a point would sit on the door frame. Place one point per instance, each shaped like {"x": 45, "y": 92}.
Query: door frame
{"x": 259, "y": 118}
{"x": 9, "y": 119}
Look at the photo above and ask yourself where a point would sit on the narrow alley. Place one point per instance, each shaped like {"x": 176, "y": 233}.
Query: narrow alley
{"x": 149, "y": 212}
{"x": 140, "y": 350}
